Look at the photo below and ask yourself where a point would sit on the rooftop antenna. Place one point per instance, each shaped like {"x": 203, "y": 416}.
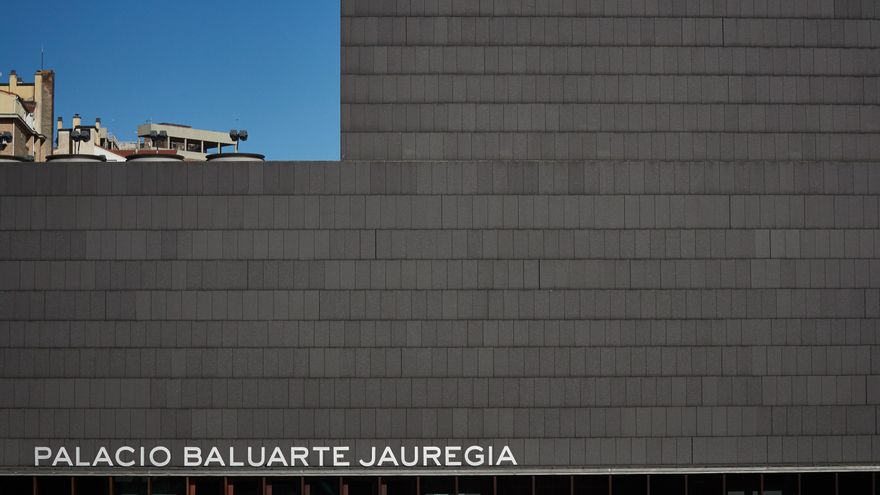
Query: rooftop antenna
{"x": 41, "y": 58}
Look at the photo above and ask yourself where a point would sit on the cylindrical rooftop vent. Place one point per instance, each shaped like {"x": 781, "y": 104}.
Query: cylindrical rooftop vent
{"x": 75, "y": 158}
{"x": 235, "y": 157}
{"x": 154, "y": 157}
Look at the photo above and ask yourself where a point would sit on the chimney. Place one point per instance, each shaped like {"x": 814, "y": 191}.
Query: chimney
{"x": 76, "y": 121}
{"x": 60, "y": 124}
{"x": 97, "y": 122}
{"x": 13, "y": 80}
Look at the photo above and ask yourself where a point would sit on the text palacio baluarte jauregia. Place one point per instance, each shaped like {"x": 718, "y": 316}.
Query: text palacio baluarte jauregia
{"x": 276, "y": 457}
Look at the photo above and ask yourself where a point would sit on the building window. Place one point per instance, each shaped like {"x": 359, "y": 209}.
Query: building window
{"x": 475, "y": 485}
{"x": 438, "y": 485}
{"x": 781, "y": 484}
{"x": 355, "y": 486}
{"x": 162, "y": 485}
{"x": 818, "y": 484}
{"x": 398, "y": 485}
{"x": 125, "y": 484}
{"x": 202, "y": 485}
{"x": 20, "y": 484}
{"x": 552, "y": 485}
{"x": 855, "y": 483}
{"x": 743, "y": 484}
{"x": 637, "y": 484}
{"x": 245, "y": 486}
{"x": 591, "y": 484}
{"x": 515, "y": 485}
{"x": 668, "y": 484}
{"x": 705, "y": 484}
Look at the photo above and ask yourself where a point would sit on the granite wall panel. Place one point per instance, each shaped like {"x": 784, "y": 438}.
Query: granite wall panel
{"x": 591, "y": 315}
{"x": 578, "y": 79}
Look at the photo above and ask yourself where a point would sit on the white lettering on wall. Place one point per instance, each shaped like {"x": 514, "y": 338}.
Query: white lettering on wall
{"x": 267, "y": 457}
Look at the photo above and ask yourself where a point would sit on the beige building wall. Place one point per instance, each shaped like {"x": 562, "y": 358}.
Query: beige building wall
{"x": 66, "y": 146}
{"x": 21, "y": 143}
{"x": 15, "y": 118}
{"x": 42, "y": 92}
{"x": 99, "y": 136}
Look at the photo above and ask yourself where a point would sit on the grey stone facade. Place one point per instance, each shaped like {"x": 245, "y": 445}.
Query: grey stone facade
{"x": 639, "y": 235}
{"x": 588, "y": 79}
{"x": 591, "y": 315}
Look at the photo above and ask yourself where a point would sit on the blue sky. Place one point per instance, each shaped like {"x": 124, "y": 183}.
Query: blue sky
{"x": 269, "y": 67}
